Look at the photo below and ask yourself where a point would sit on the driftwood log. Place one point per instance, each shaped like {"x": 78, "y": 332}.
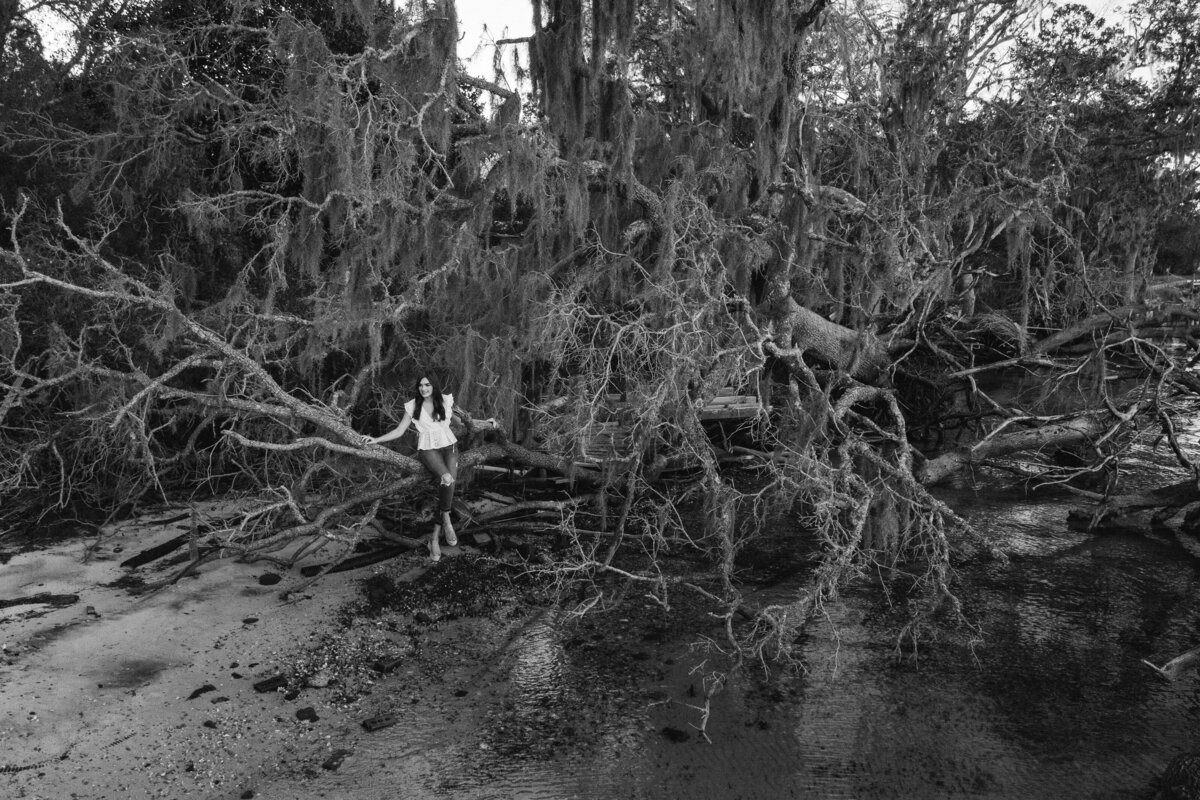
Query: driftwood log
{"x": 1178, "y": 666}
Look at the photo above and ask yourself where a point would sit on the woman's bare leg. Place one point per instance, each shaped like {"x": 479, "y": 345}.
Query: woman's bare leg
{"x": 443, "y": 465}
{"x": 448, "y": 506}
{"x": 435, "y": 550}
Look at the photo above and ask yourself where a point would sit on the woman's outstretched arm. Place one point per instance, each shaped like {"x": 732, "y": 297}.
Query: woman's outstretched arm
{"x": 394, "y": 433}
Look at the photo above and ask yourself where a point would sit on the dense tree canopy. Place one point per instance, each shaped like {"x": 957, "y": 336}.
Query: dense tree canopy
{"x": 238, "y": 231}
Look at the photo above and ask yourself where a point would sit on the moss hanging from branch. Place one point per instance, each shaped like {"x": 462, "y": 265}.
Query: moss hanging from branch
{"x": 282, "y": 222}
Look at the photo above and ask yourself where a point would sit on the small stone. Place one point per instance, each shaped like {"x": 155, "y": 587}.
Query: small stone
{"x": 271, "y": 684}
{"x": 208, "y": 723}
{"x": 208, "y": 687}
{"x": 221, "y": 699}
{"x": 249, "y": 620}
{"x": 307, "y": 714}
{"x": 335, "y": 759}
{"x": 382, "y": 721}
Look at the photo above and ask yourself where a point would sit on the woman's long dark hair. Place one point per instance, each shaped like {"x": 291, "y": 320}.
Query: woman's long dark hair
{"x": 440, "y": 412}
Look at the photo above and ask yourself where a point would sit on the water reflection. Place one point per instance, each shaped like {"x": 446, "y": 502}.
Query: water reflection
{"x": 539, "y": 665}
{"x": 1054, "y": 703}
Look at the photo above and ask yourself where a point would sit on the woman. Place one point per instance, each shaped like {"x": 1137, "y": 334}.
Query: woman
{"x": 430, "y": 412}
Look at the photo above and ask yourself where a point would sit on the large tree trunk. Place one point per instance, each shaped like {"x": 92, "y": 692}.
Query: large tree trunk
{"x": 1079, "y": 431}
{"x": 1175, "y": 495}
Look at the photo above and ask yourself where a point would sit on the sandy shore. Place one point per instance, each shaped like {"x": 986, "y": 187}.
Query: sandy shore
{"x": 152, "y": 696}
{"x": 119, "y": 695}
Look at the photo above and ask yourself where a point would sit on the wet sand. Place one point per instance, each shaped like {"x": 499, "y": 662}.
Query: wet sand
{"x": 119, "y": 695}
{"x": 523, "y": 701}
{"x": 153, "y": 695}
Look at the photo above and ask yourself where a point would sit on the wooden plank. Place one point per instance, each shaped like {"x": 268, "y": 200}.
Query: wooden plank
{"x": 742, "y": 411}
{"x": 740, "y": 399}
{"x": 502, "y": 499}
{"x": 357, "y": 562}
{"x": 499, "y": 470}
{"x": 156, "y": 552}
{"x": 608, "y": 442}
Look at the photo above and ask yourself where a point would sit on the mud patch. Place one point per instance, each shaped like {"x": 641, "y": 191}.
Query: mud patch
{"x": 132, "y": 583}
{"x": 132, "y": 673}
{"x": 44, "y": 598}
{"x": 467, "y": 586}
{"x": 23, "y": 609}
{"x": 398, "y": 608}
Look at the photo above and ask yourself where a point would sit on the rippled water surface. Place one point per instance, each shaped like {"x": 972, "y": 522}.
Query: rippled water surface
{"x": 1049, "y": 700}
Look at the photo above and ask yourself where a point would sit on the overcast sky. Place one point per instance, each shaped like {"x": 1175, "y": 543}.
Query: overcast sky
{"x": 483, "y": 21}
{"x": 515, "y": 15}
{"x": 473, "y": 15}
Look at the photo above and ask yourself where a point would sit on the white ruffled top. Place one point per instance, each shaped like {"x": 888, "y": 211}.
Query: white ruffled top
{"x": 432, "y": 433}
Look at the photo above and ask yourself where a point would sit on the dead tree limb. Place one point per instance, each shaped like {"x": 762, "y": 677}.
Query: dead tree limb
{"x": 1080, "y": 430}
{"x": 531, "y": 505}
{"x": 1175, "y": 668}
{"x": 1141, "y": 314}
{"x": 1175, "y": 495}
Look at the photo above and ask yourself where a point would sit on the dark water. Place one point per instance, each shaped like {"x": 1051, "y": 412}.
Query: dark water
{"x": 1049, "y": 699}
{"x": 1046, "y": 698}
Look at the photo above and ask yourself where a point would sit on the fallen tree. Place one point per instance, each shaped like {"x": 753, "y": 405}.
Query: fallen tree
{"x": 281, "y": 214}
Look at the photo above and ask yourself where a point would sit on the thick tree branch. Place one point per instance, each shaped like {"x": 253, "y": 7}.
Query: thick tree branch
{"x": 1140, "y": 314}
{"x": 1085, "y": 429}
